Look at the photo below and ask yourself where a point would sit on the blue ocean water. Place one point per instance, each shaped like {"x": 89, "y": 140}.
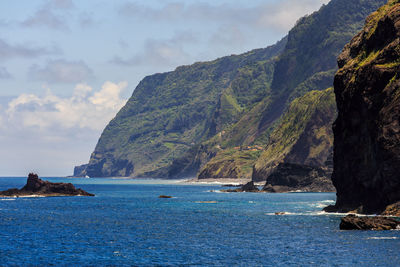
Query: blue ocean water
{"x": 127, "y": 224}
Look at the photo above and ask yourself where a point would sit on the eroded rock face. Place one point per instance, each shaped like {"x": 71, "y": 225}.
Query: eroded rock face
{"x": 294, "y": 177}
{"x": 367, "y": 130}
{"x": 249, "y": 187}
{"x": 36, "y": 186}
{"x": 303, "y": 137}
{"x": 353, "y": 222}
{"x": 392, "y": 210}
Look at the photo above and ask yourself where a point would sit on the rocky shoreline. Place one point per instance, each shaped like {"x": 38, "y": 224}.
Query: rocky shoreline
{"x": 36, "y": 187}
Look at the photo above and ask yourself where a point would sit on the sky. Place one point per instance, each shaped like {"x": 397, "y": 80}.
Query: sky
{"x": 68, "y": 66}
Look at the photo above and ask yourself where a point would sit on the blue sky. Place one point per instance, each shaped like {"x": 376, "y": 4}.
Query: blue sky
{"x": 67, "y": 66}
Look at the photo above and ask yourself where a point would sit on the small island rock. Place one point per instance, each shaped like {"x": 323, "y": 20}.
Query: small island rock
{"x": 36, "y": 186}
{"x": 353, "y": 222}
{"x": 249, "y": 187}
{"x": 164, "y": 196}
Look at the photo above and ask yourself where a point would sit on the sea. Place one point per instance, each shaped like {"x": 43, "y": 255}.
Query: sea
{"x": 127, "y": 224}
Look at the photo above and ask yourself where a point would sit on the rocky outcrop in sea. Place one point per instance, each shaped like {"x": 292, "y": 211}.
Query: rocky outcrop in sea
{"x": 37, "y": 187}
{"x": 353, "y": 222}
{"x": 249, "y": 187}
{"x": 290, "y": 177}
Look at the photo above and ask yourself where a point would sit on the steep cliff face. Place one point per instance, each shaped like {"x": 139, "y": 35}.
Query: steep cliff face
{"x": 367, "y": 130}
{"x": 303, "y": 136}
{"x": 175, "y": 122}
{"x": 170, "y": 113}
{"x": 307, "y": 63}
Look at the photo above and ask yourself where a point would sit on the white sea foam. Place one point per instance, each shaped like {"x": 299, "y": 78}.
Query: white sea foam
{"x": 310, "y": 213}
{"x": 216, "y": 191}
{"x": 4, "y": 199}
{"x": 383, "y": 237}
{"x": 29, "y": 196}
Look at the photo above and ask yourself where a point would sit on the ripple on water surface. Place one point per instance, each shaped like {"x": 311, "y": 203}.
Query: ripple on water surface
{"x": 127, "y": 224}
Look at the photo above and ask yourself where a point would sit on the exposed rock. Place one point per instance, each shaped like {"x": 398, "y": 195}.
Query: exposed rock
{"x": 80, "y": 171}
{"x": 249, "y": 187}
{"x": 164, "y": 196}
{"x": 294, "y": 177}
{"x": 232, "y": 185}
{"x": 35, "y": 186}
{"x": 353, "y": 222}
{"x": 392, "y": 210}
{"x": 170, "y": 116}
{"x": 367, "y": 130}
{"x": 171, "y": 113}
{"x": 303, "y": 136}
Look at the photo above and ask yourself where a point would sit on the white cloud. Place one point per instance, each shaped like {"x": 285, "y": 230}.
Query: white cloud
{"x": 61, "y": 71}
{"x": 81, "y": 110}
{"x": 24, "y": 50}
{"x": 45, "y": 17}
{"x": 167, "y": 53}
{"x": 282, "y": 14}
{"x": 51, "y": 134}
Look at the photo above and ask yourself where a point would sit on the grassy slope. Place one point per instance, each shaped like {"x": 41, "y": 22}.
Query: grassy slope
{"x": 176, "y": 121}
{"x": 303, "y": 136}
{"x": 307, "y": 63}
{"x": 171, "y": 112}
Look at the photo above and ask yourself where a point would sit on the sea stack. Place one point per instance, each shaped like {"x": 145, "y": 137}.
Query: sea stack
{"x": 367, "y": 130}
{"x": 37, "y": 187}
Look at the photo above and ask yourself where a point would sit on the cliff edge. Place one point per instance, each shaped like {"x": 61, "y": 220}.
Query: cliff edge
{"x": 367, "y": 130}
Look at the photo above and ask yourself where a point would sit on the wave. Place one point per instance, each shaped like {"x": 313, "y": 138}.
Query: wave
{"x": 15, "y": 197}
{"x": 7, "y": 199}
{"x": 310, "y": 213}
{"x": 382, "y": 237}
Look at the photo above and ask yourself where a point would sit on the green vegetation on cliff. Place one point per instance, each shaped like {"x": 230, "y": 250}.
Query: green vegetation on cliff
{"x": 176, "y": 122}
{"x": 307, "y": 63}
{"x": 170, "y": 113}
{"x": 303, "y": 135}
{"x": 367, "y": 130}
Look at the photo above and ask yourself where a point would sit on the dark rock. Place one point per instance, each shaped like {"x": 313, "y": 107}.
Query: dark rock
{"x": 392, "y": 210}
{"x": 36, "y": 186}
{"x": 304, "y": 135}
{"x": 164, "y": 196}
{"x": 289, "y": 177}
{"x": 353, "y": 222}
{"x": 249, "y": 187}
{"x": 232, "y": 185}
{"x": 80, "y": 171}
{"x": 367, "y": 130}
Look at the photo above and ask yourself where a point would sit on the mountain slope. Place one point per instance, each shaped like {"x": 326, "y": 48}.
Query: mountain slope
{"x": 175, "y": 122}
{"x": 169, "y": 113}
{"x": 307, "y": 63}
{"x": 303, "y": 136}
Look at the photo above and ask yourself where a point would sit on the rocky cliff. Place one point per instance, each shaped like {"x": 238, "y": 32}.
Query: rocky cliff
{"x": 307, "y": 63}
{"x": 171, "y": 113}
{"x": 176, "y": 122}
{"x": 367, "y": 130}
{"x": 303, "y": 136}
